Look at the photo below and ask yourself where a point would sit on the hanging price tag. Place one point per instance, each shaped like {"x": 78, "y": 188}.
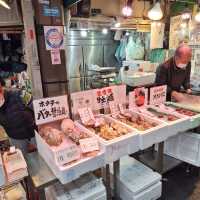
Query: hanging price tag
{"x": 68, "y": 154}
{"x": 113, "y": 108}
{"x": 89, "y": 144}
{"x": 86, "y": 115}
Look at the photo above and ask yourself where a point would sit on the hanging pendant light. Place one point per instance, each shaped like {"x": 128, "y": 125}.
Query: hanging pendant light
{"x": 4, "y": 4}
{"x": 155, "y": 13}
{"x": 197, "y": 17}
{"x": 127, "y": 9}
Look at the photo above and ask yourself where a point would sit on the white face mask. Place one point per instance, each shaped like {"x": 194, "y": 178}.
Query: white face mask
{"x": 2, "y": 101}
{"x": 182, "y": 66}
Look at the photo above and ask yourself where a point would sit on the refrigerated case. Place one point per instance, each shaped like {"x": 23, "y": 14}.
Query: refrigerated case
{"x": 82, "y": 52}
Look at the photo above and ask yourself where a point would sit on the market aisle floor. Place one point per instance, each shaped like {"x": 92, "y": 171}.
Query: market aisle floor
{"x": 181, "y": 185}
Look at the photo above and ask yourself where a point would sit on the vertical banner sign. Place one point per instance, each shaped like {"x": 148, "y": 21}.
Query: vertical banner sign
{"x": 50, "y": 109}
{"x": 158, "y": 95}
{"x": 54, "y": 37}
{"x": 138, "y": 98}
{"x": 55, "y": 57}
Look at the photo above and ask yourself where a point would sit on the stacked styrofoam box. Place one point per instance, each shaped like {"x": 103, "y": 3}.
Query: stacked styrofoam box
{"x": 137, "y": 181}
{"x": 88, "y": 187}
{"x": 2, "y": 173}
{"x": 185, "y": 147}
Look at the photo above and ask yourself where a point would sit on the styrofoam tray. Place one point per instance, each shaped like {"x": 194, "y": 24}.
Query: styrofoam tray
{"x": 72, "y": 171}
{"x": 153, "y": 135}
{"x": 194, "y": 120}
{"x": 180, "y": 125}
{"x": 137, "y": 181}
{"x": 120, "y": 146}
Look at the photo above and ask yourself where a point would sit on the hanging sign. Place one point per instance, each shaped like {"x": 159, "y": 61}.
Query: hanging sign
{"x": 138, "y": 98}
{"x": 52, "y": 11}
{"x": 89, "y": 144}
{"x": 158, "y": 95}
{"x": 86, "y": 115}
{"x": 55, "y": 57}
{"x": 54, "y": 37}
{"x": 50, "y": 109}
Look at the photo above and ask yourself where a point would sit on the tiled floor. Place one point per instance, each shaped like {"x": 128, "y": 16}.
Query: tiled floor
{"x": 181, "y": 185}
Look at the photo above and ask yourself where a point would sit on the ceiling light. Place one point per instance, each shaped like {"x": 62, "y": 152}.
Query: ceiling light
{"x": 83, "y": 33}
{"x": 105, "y": 31}
{"x": 185, "y": 16}
{"x": 117, "y": 25}
{"x": 127, "y": 33}
{"x": 156, "y": 12}
{"x": 197, "y": 17}
{"x": 127, "y": 11}
{"x": 4, "y": 4}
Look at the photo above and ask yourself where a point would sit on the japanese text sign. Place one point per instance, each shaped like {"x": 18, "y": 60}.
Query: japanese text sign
{"x": 86, "y": 115}
{"x": 89, "y": 144}
{"x": 50, "y": 109}
{"x": 158, "y": 95}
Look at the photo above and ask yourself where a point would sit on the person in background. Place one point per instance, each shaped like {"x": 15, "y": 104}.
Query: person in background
{"x": 17, "y": 119}
{"x": 175, "y": 73}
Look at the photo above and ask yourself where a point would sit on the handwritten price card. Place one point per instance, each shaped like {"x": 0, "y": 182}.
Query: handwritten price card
{"x": 113, "y": 108}
{"x": 50, "y": 109}
{"x": 158, "y": 95}
{"x": 89, "y": 145}
{"x": 86, "y": 115}
{"x": 67, "y": 155}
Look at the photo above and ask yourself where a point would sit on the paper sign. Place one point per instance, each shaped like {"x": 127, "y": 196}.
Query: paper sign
{"x": 89, "y": 144}
{"x": 55, "y": 57}
{"x": 121, "y": 108}
{"x": 67, "y": 155}
{"x": 138, "y": 98}
{"x": 114, "y": 110}
{"x": 54, "y": 37}
{"x": 86, "y": 115}
{"x": 158, "y": 95}
{"x": 50, "y": 109}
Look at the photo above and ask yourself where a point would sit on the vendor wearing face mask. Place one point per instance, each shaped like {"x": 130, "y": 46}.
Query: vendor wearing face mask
{"x": 175, "y": 73}
{"x": 17, "y": 119}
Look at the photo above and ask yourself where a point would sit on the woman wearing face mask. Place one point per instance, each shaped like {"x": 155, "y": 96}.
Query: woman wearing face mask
{"x": 16, "y": 118}
{"x": 175, "y": 73}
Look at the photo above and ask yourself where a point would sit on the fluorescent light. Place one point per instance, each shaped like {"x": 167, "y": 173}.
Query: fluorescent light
{"x": 127, "y": 11}
{"x": 117, "y": 25}
{"x": 83, "y": 33}
{"x": 156, "y": 12}
{"x": 4, "y": 4}
{"x": 197, "y": 17}
{"x": 105, "y": 31}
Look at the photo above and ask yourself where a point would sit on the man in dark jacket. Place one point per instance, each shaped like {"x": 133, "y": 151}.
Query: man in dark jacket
{"x": 175, "y": 73}
{"x": 16, "y": 118}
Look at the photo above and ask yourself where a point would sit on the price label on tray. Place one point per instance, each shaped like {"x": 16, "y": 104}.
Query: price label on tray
{"x": 67, "y": 155}
{"x": 113, "y": 108}
{"x": 86, "y": 115}
{"x": 89, "y": 144}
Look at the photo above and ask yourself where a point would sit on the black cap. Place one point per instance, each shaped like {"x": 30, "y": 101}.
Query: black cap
{"x": 2, "y": 82}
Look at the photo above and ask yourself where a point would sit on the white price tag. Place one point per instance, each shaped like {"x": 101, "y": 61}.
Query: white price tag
{"x": 158, "y": 95}
{"x": 89, "y": 144}
{"x": 86, "y": 115}
{"x": 67, "y": 155}
{"x": 121, "y": 108}
{"x": 113, "y": 108}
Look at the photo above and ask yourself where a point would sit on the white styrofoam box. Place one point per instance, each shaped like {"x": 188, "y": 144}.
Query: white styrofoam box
{"x": 185, "y": 147}
{"x": 116, "y": 148}
{"x": 137, "y": 181}
{"x": 87, "y": 187}
{"x": 194, "y": 120}
{"x": 2, "y": 173}
{"x": 153, "y": 135}
{"x": 72, "y": 171}
{"x": 180, "y": 125}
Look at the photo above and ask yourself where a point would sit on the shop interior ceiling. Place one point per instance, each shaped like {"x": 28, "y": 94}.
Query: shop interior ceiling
{"x": 11, "y": 19}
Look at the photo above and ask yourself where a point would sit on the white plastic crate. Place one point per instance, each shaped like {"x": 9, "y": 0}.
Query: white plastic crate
{"x": 69, "y": 172}
{"x": 137, "y": 181}
{"x": 87, "y": 187}
{"x": 116, "y": 148}
{"x": 185, "y": 147}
